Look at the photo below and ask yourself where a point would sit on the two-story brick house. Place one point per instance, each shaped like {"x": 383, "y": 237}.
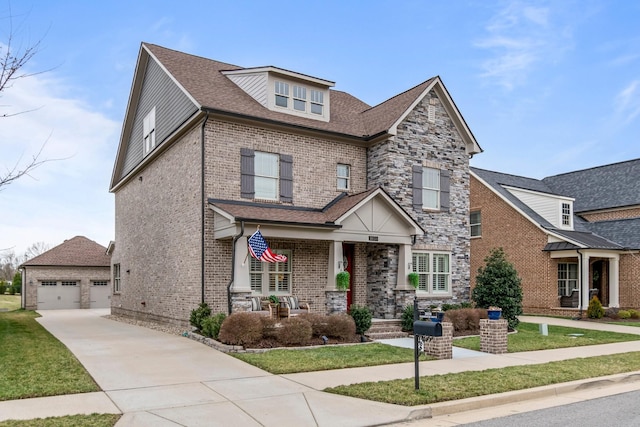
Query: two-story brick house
{"x": 210, "y": 151}
{"x": 570, "y": 236}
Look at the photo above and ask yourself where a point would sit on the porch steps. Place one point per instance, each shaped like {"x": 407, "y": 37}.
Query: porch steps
{"x": 385, "y": 329}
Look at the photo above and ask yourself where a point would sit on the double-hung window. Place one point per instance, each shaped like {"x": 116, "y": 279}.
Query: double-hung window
{"x": 282, "y": 94}
{"x": 434, "y": 271}
{"x": 269, "y": 278}
{"x": 317, "y": 101}
{"x": 475, "y": 224}
{"x": 149, "y": 131}
{"x": 430, "y": 188}
{"x": 566, "y": 214}
{"x": 567, "y": 278}
{"x": 299, "y": 98}
{"x": 343, "y": 174}
{"x": 266, "y": 176}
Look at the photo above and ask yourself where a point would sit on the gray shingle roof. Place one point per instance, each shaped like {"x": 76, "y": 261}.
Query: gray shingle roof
{"x": 76, "y": 252}
{"x": 626, "y": 232}
{"x": 603, "y": 187}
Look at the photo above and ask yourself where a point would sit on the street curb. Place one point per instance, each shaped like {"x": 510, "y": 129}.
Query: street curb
{"x": 482, "y": 402}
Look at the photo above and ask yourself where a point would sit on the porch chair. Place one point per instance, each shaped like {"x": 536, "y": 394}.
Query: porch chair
{"x": 290, "y": 306}
{"x": 263, "y": 307}
{"x": 570, "y": 300}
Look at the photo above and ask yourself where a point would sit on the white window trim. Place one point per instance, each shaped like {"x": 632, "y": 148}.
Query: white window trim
{"x": 429, "y": 291}
{"x": 117, "y": 285}
{"x": 276, "y": 177}
{"x": 267, "y": 269}
{"x": 346, "y": 178}
{"x": 474, "y": 224}
{"x": 435, "y": 189}
{"x": 568, "y": 287}
{"x": 569, "y": 215}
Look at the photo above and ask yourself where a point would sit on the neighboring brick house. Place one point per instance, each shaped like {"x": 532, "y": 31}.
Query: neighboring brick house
{"x": 74, "y": 274}
{"x": 579, "y": 230}
{"x": 210, "y": 151}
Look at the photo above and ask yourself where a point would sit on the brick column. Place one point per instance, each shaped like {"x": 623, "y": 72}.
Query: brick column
{"x": 493, "y": 336}
{"x": 441, "y": 347}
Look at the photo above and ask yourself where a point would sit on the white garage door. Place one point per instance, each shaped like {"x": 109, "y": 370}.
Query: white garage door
{"x": 100, "y": 294}
{"x": 58, "y": 295}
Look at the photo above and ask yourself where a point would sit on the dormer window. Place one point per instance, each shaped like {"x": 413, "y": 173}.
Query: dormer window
{"x": 300, "y": 98}
{"x": 317, "y": 101}
{"x": 566, "y": 214}
{"x": 282, "y": 94}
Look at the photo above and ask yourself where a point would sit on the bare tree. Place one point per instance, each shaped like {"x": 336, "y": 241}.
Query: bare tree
{"x": 35, "y": 249}
{"x": 13, "y": 59}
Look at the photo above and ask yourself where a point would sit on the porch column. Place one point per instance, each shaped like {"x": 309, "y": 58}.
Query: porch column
{"x": 404, "y": 260}
{"x": 614, "y": 281}
{"x": 335, "y": 264}
{"x": 585, "y": 281}
{"x": 241, "y": 267}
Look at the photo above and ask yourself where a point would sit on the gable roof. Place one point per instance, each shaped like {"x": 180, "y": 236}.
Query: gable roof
{"x": 608, "y": 235}
{"x": 603, "y": 187}
{"x": 76, "y": 252}
{"x": 327, "y": 217}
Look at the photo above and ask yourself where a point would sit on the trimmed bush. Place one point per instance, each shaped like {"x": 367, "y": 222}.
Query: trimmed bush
{"x": 407, "y": 318}
{"x": 624, "y": 314}
{"x": 3, "y": 287}
{"x": 295, "y": 331}
{"x": 211, "y": 325}
{"x": 341, "y": 326}
{"x": 466, "y": 319}
{"x": 362, "y": 318}
{"x": 242, "y": 328}
{"x": 319, "y": 323}
{"x": 198, "y": 315}
{"x": 269, "y": 329}
{"x": 635, "y": 314}
{"x": 595, "y": 310}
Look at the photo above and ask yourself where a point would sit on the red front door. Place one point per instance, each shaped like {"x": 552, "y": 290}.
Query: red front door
{"x": 347, "y": 259}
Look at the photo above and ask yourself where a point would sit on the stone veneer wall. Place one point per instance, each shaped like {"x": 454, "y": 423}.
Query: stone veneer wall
{"x": 382, "y": 267}
{"x": 390, "y": 165}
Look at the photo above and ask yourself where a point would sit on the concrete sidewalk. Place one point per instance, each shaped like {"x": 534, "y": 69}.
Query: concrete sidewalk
{"x": 157, "y": 379}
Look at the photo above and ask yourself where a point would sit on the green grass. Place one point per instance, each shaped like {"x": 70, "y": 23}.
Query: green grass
{"x": 529, "y": 338}
{"x": 93, "y": 420}
{"x": 10, "y": 302}
{"x": 441, "y": 388}
{"x": 35, "y": 363}
{"x": 331, "y": 357}
{"x": 636, "y": 324}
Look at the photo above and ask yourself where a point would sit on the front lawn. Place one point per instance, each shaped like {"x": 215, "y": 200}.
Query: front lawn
{"x": 528, "y": 338}
{"x": 9, "y": 302}
{"x": 35, "y": 363}
{"x": 93, "y": 420}
{"x": 289, "y": 361}
{"x": 442, "y": 388}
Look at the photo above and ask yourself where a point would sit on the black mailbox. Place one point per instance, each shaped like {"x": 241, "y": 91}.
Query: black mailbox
{"x": 429, "y": 329}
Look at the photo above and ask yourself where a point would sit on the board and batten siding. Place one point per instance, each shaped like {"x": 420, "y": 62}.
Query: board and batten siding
{"x": 546, "y": 205}
{"x": 173, "y": 108}
{"x": 253, "y": 84}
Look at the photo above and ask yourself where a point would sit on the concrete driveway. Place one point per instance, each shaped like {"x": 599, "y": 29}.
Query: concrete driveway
{"x": 157, "y": 379}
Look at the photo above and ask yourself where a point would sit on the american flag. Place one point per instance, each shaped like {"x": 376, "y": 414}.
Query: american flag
{"x": 259, "y": 249}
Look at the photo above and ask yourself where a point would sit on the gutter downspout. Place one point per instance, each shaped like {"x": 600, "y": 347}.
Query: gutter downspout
{"x": 202, "y": 210}
{"x": 233, "y": 264}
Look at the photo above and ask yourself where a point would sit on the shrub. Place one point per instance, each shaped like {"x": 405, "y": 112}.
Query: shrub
{"x": 319, "y": 323}
{"x": 407, "y": 318}
{"x": 211, "y": 325}
{"x": 3, "y": 287}
{"x": 242, "y": 328}
{"x": 362, "y": 318}
{"x": 341, "y": 326}
{"x": 465, "y": 319}
{"x": 446, "y": 307}
{"x": 17, "y": 282}
{"x": 624, "y": 314}
{"x": 12, "y": 290}
{"x": 595, "y": 310}
{"x": 635, "y": 314}
{"x": 269, "y": 329}
{"x": 498, "y": 284}
{"x": 198, "y": 315}
{"x": 295, "y": 331}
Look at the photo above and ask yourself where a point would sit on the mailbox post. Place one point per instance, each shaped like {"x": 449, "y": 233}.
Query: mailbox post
{"x": 422, "y": 328}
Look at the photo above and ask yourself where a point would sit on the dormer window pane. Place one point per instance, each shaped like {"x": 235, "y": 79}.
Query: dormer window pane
{"x": 299, "y": 98}
{"x": 317, "y": 101}
{"x": 282, "y": 94}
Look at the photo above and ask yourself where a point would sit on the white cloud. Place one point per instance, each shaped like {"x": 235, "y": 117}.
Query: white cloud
{"x": 627, "y": 102}
{"x": 519, "y": 37}
{"x": 62, "y": 198}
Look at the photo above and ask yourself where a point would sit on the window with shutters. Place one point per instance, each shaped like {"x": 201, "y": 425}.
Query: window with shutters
{"x": 266, "y": 176}
{"x": 430, "y": 188}
{"x": 271, "y": 278}
{"x": 434, "y": 271}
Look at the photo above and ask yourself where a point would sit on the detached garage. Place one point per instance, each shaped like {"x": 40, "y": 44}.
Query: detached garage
{"x": 75, "y": 274}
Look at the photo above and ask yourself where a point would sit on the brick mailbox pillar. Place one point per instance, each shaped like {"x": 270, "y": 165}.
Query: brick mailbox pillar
{"x": 493, "y": 336}
{"x": 440, "y": 347}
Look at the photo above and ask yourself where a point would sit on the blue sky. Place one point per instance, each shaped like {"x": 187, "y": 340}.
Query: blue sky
{"x": 545, "y": 86}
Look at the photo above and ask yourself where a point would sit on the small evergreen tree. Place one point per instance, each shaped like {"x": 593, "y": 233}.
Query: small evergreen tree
{"x": 498, "y": 285}
{"x": 17, "y": 282}
{"x": 595, "y": 309}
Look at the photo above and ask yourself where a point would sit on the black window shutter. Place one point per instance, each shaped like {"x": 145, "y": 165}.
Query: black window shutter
{"x": 286, "y": 178}
{"x": 247, "y": 189}
{"x": 417, "y": 186}
{"x": 444, "y": 190}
